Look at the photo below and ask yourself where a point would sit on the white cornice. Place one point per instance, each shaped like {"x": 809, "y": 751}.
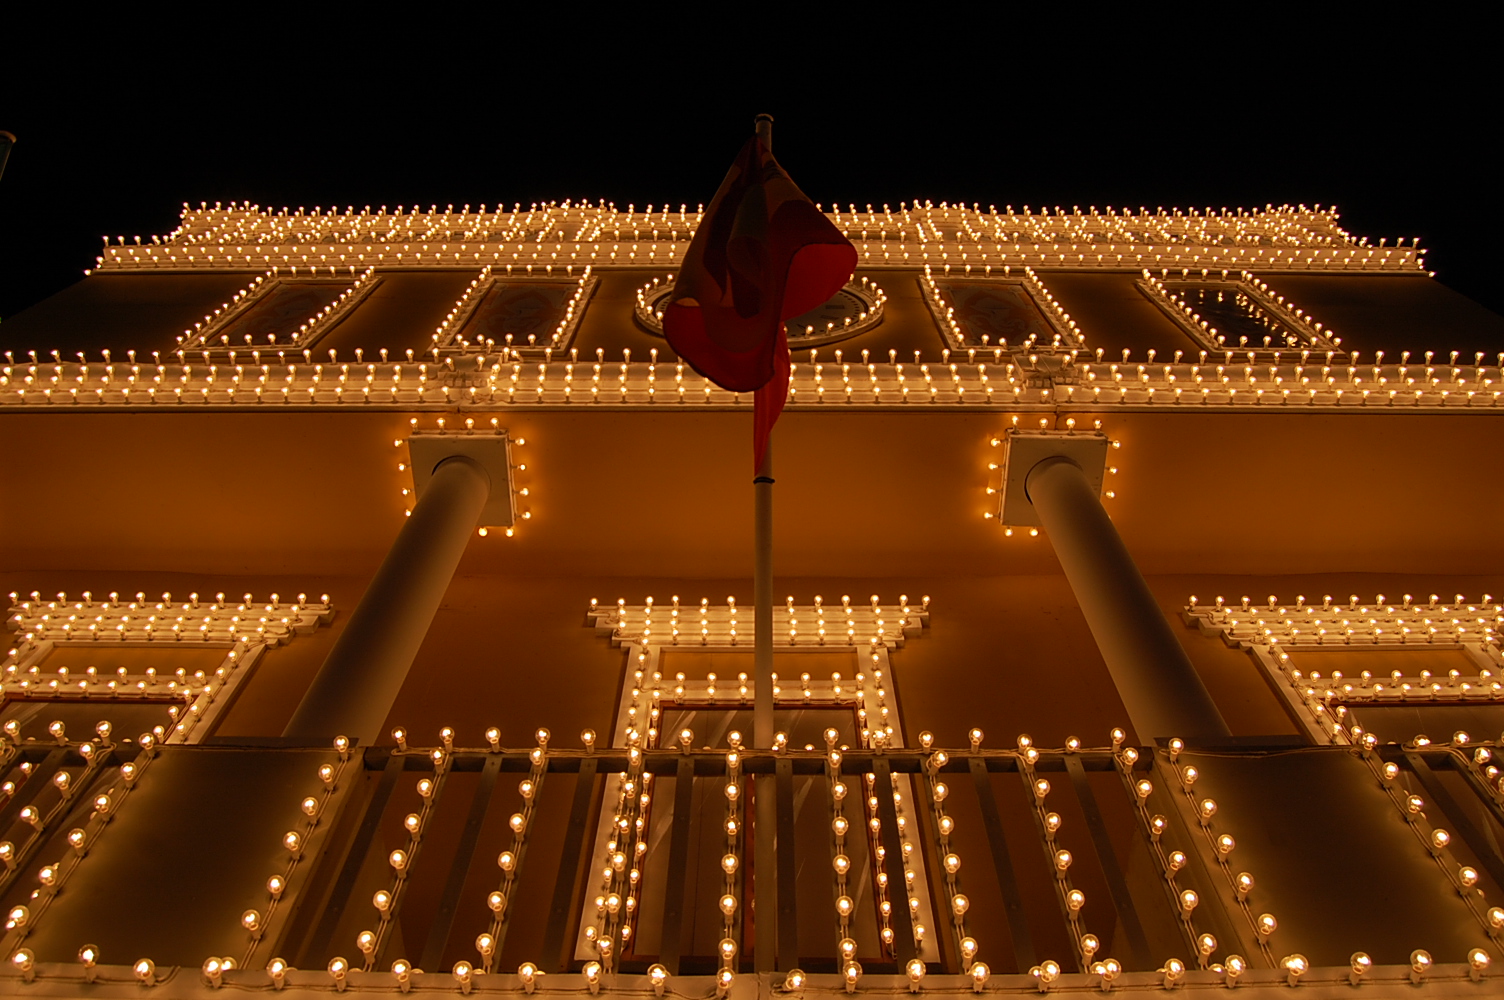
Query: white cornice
{"x": 566, "y": 238}
{"x": 984, "y": 380}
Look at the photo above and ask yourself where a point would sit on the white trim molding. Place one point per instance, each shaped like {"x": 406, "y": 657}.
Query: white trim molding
{"x": 243, "y": 629}
{"x": 1272, "y": 632}
{"x": 871, "y": 631}
{"x": 963, "y": 239}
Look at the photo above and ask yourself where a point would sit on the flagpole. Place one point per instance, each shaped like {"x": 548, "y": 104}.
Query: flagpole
{"x": 765, "y": 888}
{"x": 808, "y": 260}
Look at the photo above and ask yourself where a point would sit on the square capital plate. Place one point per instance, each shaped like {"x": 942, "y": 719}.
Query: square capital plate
{"x": 1025, "y": 449}
{"x": 491, "y": 449}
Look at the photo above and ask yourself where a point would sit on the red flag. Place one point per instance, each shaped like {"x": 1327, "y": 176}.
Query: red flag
{"x": 762, "y": 254}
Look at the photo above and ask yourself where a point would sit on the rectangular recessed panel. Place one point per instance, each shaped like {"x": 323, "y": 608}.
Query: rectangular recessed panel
{"x": 402, "y": 938}
{"x": 1475, "y": 826}
{"x": 1240, "y": 320}
{"x": 428, "y": 876}
{"x": 539, "y": 871}
{"x": 996, "y": 313}
{"x": 275, "y": 316}
{"x": 34, "y": 787}
{"x": 978, "y": 878}
{"x": 520, "y": 314}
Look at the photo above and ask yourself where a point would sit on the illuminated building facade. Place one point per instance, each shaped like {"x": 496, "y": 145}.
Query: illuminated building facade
{"x": 382, "y": 614}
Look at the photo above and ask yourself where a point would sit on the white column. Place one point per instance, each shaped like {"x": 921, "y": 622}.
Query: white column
{"x": 1160, "y": 688}
{"x": 358, "y": 683}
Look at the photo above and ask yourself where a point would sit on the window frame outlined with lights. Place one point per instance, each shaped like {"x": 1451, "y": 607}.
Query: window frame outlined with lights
{"x": 46, "y": 627}
{"x": 1317, "y": 704}
{"x": 1315, "y": 339}
{"x": 448, "y": 340}
{"x": 869, "y": 631}
{"x": 357, "y": 285}
{"x": 1052, "y": 315}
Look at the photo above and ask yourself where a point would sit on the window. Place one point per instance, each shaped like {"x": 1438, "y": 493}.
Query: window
{"x": 691, "y": 679}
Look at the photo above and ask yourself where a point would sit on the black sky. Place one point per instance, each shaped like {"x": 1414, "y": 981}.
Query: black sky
{"x": 1396, "y": 124}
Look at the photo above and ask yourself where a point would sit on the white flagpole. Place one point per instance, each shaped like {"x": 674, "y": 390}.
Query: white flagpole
{"x": 765, "y": 887}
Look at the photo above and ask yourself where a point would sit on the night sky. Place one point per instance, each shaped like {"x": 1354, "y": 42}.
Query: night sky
{"x": 1396, "y": 124}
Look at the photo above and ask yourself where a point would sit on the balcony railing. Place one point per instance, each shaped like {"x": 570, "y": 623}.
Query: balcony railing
{"x": 190, "y": 867}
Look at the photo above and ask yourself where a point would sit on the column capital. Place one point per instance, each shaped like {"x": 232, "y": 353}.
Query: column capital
{"x": 491, "y": 451}
{"x": 1023, "y": 450}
